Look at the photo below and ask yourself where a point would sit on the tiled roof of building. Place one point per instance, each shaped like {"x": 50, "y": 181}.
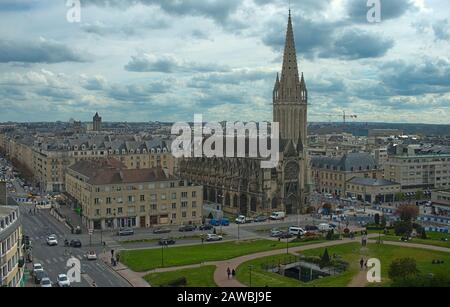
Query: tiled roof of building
{"x": 111, "y": 171}
{"x": 348, "y": 162}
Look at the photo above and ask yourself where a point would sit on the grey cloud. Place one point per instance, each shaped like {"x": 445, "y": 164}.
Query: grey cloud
{"x": 37, "y": 52}
{"x": 357, "y": 9}
{"x": 234, "y": 77}
{"x": 94, "y": 83}
{"x": 138, "y": 92}
{"x": 441, "y": 29}
{"x": 167, "y": 64}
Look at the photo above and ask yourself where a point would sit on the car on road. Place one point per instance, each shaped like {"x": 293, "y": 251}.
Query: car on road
{"x": 187, "y": 228}
{"x": 206, "y": 227}
{"x": 125, "y": 232}
{"x": 296, "y": 231}
{"x": 213, "y": 237}
{"x": 222, "y": 222}
{"x": 286, "y": 235}
{"x": 37, "y": 267}
{"x": 324, "y": 227}
{"x": 311, "y": 228}
{"x": 275, "y": 233}
{"x": 261, "y": 218}
{"x": 39, "y": 276}
{"x": 161, "y": 230}
{"x": 63, "y": 281}
{"x": 75, "y": 243}
{"x": 240, "y": 219}
{"x": 46, "y": 283}
{"x": 52, "y": 240}
{"x": 276, "y": 216}
{"x": 91, "y": 256}
{"x": 166, "y": 241}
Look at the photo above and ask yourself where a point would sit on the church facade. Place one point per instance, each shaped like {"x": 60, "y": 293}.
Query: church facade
{"x": 240, "y": 185}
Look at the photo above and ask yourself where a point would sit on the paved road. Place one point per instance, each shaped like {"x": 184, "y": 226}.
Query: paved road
{"x": 54, "y": 259}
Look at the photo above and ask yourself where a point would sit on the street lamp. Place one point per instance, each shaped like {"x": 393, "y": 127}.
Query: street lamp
{"x": 287, "y": 245}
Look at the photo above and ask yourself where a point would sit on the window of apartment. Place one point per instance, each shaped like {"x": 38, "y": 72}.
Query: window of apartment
{"x": 120, "y": 210}
{"x": 142, "y": 209}
{"x": 183, "y": 214}
{"x": 96, "y": 201}
{"x": 174, "y": 196}
{"x": 97, "y": 212}
{"x": 194, "y": 204}
{"x": 172, "y": 184}
{"x": 174, "y": 216}
{"x": 194, "y": 194}
{"x": 108, "y": 211}
{"x": 163, "y": 196}
{"x": 174, "y": 205}
{"x": 142, "y": 198}
{"x": 184, "y": 204}
{"x": 108, "y": 200}
{"x": 153, "y": 197}
{"x": 194, "y": 214}
{"x": 153, "y": 207}
{"x": 130, "y": 199}
{"x": 184, "y": 195}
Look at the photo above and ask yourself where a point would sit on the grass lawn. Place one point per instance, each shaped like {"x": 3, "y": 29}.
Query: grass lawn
{"x": 351, "y": 253}
{"x": 148, "y": 259}
{"x": 198, "y": 277}
{"x": 434, "y": 238}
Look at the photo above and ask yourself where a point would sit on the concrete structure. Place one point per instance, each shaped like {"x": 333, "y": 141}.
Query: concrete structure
{"x": 417, "y": 167}
{"x": 112, "y": 196}
{"x": 11, "y": 261}
{"x": 374, "y": 191}
{"x": 3, "y": 193}
{"x": 330, "y": 174}
{"x": 240, "y": 185}
{"x": 97, "y": 123}
{"x": 441, "y": 202}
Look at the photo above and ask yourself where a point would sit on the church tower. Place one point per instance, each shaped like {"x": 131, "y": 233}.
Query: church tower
{"x": 290, "y": 96}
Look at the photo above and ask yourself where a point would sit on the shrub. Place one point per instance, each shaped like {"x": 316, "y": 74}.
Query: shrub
{"x": 178, "y": 282}
{"x": 403, "y": 268}
{"x": 403, "y": 228}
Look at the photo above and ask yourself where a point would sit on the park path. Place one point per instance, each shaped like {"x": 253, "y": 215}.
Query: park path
{"x": 221, "y": 276}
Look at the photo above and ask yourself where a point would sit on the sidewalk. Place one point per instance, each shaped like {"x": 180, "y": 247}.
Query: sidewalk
{"x": 133, "y": 278}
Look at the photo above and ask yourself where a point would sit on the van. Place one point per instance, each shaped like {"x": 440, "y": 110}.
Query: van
{"x": 296, "y": 231}
{"x": 324, "y": 227}
{"x": 278, "y": 215}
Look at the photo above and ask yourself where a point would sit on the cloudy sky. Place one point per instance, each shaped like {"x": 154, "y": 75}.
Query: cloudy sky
{"x": 144, "y": 60}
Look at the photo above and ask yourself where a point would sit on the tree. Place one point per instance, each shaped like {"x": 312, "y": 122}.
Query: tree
{"x": 402, "y": 268}
{"x": 408, "y": 213}
{"x": 402, "y": 228}
{"x": 330, "y": 235}
{"x": 377, "y": 219}
{"x": 420, "y": 195}
{"x": 423, "y": 234}
{"x": 400, "y": 196}
{"x": 325, "y": 259}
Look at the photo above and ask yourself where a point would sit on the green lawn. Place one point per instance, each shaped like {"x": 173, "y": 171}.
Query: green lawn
{"x": 148, "y": 259}
{"x": 351, "y": 253}
{"x": 434, "y": 239}
{"x": 198, "y": 277}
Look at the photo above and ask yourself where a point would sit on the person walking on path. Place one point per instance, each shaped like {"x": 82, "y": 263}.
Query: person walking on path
{"x": 361, "y": 263}
{"x": 228, "y": 273}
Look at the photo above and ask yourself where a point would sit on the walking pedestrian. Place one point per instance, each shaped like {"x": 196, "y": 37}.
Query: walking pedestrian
{"x": 117, "y": 258}
{"x": 228, "y": 273}
{"x": 361, "y": 263}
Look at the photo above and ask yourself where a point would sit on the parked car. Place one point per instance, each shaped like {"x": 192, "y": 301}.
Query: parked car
{"x": 296, "y": 231}
{"x": 46, "y": 283}
{"x": 52, "y": 241}
{"x": 311, "y": 228}
{"x": 125, "y": 232}
{"x": 75, "y": 243}
{"x": 37, "y": 267}
{"x": 222, "y": 222}
{"x": 62, "y": 281}
{"x": 285, "y": 235}
{"x": 261, "y": 218}
{"x": 213, "y": 237}
{"x": 187, "y": 228}
{"x": 277, "y": 216}
{"x": 206, "y": 227}
{"x": 324, "y": 227}
{"x": 166, "y": 241}
{"x": 91, "y": 256}
{"x": 240, "y": 219}
{"x": 275, "y": 233}
{"x": 161, "y": 230}
{"x": 39, "y": 276}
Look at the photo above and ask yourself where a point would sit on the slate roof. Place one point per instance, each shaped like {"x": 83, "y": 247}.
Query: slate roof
{"x": 372, "y": 182}
{"x": 349, "y": 162}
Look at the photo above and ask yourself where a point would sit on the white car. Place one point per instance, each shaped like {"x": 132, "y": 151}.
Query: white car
{"x": 46, "y": 283}
{"x": 324, "y": 227}
{"x": 52, "y": 241}
{"x": 91, "y": 256}
{"x": 37, "y": 267}
{"x": 212, "y": 237}
{"x": 240, "y": 219}
{"x": 62, "y": 281}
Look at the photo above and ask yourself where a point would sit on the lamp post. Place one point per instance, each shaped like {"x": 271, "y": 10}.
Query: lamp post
{"x": 287, "y": 246}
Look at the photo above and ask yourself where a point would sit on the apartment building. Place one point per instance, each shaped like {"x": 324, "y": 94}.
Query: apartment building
{"x": 112, "y": 196}
{"x": 11, "y": 261}
{"x": 418, "y": 167}
{"x": 46, "y": 158}
{"x": 374, "y": 191}
{"x": 330, "y": 174}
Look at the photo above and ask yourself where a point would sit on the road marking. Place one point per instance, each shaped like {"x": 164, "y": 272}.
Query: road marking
{"x": 61, "y": 259}
{"x": 48, "y": 261}
{"x": 79, "y": 257}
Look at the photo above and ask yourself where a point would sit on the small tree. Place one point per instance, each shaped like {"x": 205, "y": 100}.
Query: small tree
{"x": 408, "y": 213}
{"x": 403, "y": 228}
{"x": 400, "y": 196}
{"x": 402, "y": 268}
{"x": 330, "y": 235}
{"x": 423, "y": 234}
{"x": 377, "y": 219}
{"x": 325, "y": 259}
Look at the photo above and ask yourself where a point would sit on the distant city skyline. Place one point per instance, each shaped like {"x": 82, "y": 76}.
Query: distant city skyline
{"x": 154, "y": 60}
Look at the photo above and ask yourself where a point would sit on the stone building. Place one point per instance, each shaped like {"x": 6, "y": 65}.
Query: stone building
{"x": 97, "y": 123}
{"x": 240, "y": 184}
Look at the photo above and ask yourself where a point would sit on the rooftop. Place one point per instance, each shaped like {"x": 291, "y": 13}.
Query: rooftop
{"x": 372, "y": 182}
